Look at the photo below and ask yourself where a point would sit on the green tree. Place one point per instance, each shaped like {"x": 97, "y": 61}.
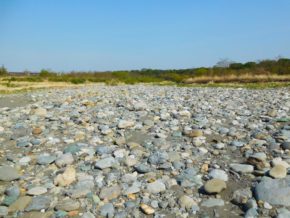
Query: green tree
{"x": 3, "y": 71}
{"x": 46, "y": 73}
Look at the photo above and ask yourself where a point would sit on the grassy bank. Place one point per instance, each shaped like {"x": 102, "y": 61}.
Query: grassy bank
{"x": 267, "y": 73}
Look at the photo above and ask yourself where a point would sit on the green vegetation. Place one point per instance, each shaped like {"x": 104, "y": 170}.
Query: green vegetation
{"x": 3, "y": 71}
{"x": 224, "y": 72}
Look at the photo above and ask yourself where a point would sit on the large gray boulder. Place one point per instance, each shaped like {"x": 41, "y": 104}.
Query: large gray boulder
{"x": 274, "y": 191}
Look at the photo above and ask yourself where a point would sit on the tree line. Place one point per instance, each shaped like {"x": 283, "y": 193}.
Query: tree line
{"x": 265, "y": 67}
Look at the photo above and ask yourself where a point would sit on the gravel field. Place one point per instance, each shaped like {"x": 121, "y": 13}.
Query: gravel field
{"x": 145, "y": 151}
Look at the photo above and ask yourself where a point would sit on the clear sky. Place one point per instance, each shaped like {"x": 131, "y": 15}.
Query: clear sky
{"x": 65, "y": 35}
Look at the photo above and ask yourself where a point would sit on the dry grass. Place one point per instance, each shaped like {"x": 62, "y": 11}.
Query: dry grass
{"x": 247, "y": 78}
{"x": 231, "y": 81}
{"x": 16, "y": 86}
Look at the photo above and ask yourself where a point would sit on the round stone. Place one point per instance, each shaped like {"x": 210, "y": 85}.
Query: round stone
{"x": 278, "y": 172}
{"x": 186, "y": 202}
{"x": 37, "y": 131}
{"x": 214, "y": 186}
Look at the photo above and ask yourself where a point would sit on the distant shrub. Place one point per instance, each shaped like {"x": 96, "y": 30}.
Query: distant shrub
{"x": 3, "y": 71}
{"x": 33, "y": 79}
{"x": 236, "y": 66}
{"x": 77, "y": 80}
{"x": 46, "y": 73}
{"x": 112, "y": 82}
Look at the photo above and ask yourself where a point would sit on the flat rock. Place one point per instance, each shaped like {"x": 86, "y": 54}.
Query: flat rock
{"x": 107, "y": 210}
{"x": 36, "y": 214}
{"x": 132, "y": 190}
{"x": 218, "y": 174}
{"x": 274, "y": 191}
{"x": 68, "y": 205}
{"x": 64, "y": 160}
{"x": 8, "y": 173}
{"x": 3, "y": 211}
{"x": 45, "y": 159}
{"x": 213, "y": 202}
{"x": 142, "y": 168}
{"x": 39, "y": 190}
{"x": 39, "y": 203}
{"x": 40, "y": 112}
{"x": 105, "y": 163}
{"x": 20, "y": 204}
{"x": 110, "y": 192}
{"x": 124, "y": 124}
{"x": 156, "y": 187}
{"x": 242, "y": 168}
{"x": 79, "y": 192}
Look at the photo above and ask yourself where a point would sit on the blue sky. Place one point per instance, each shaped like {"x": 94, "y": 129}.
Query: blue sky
{"x": 65, "y": 35}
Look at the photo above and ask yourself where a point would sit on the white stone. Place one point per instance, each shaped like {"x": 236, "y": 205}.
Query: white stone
{"x": 37, "y": 190}
{"x": 124, "y": 124}
{"x": 24, "y": 161}
{"x": 156, "y": 187}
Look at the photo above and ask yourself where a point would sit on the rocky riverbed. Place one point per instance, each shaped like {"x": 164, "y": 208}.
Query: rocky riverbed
{"x": 145, "y": 151}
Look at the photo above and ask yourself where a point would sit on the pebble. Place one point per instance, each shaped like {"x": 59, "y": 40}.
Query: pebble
{"x": 278, "y": 161}
{"x": 156, "y": 187}
{"x": 278, "y": 172}
{"x": 110, "y": 193}
{"x": 242, "y": 168}
{"x": 107, "y": 210}
{"x": 186, "y": 202}
{"x": 39, "y": 203}
{"x": 142, "y": 168}
{"x": 20, "y": 204}
{"x": 40, "y": 112}
{"x": 218, "y": 174}
{"x": 45, "y": 159}
{"x": 214, "y": 186}
{"x": 8, "y": 173}
{"x": 147, "y": 209}
{"x": 68, "y": 205}
{"x": 39, "y": 190}
{"x": 286, "y": 145}
{"x": 3, "y": 211}
{"x": 195, "y": 133}
{"x": 283, "y": 213}
{"x": 141, "y": 150}
{"x": 68, "y": 177}
{"x": 24, "y": 161}
{"x": 13, "y": 191}
{"x": 123, "y": 124}
{"x": 241, "y": 196}
{"x": 213, "y": 202}
{"x": 105, "y": 163}
{"x": 273, "y": 191}
{"x": 64, "y": 160}
{"x": 37, "y": 131}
